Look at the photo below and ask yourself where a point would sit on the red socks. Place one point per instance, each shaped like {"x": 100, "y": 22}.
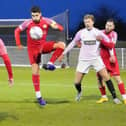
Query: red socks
{"x": 102, "y": 90}
{"x": 56, "y": 54}
{"x": 7, "y": 63}
{"x": 36, "y": 82}
{"x": 121, "y": 88}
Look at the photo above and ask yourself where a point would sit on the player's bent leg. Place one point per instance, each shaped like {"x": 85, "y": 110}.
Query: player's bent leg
{"x": 78, "y": 78}
{"x": 121, "y": 87}
{"x": 109, "y": 84}
{"x": 49, "y": 66}
{"x": 36, "y": 83}
{"x": 59, "y": 44}
{"x": 58, "y": 48}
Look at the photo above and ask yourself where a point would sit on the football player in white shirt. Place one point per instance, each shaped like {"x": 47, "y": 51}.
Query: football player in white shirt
{"x": 89, "y": 55}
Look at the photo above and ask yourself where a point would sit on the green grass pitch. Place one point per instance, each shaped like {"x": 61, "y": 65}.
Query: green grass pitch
{"x": 18, "y": 106}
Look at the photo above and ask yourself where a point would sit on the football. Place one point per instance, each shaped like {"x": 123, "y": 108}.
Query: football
{"x": 36, "y": 33}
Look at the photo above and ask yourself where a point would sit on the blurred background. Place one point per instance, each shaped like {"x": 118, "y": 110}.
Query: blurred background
{"x": 70, "y": 15}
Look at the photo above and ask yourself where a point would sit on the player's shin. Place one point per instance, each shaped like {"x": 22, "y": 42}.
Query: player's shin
{"x": 56, "y": 54}
{"x": 79, "y": 91}
{"x": 122, "y": 90}
{"x": 111, "y": 88}
{"x": 101, "y": 86}
{"x": 36, "y": 83}
{"x": 78, "y": 87}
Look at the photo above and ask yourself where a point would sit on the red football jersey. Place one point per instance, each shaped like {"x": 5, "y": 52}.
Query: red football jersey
{"x": 113, "y": 68}
{"x": 104, "y": 52}
{"x": 43, "y": 25}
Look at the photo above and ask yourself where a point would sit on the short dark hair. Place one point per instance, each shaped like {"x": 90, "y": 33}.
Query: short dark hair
{"x": 35, "y": 9}
{"x": 111, "y": 20}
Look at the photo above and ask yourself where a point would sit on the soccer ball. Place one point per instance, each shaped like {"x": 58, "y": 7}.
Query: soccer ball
{"x": 63, "y": 65}
{"x": 36, "y": 33}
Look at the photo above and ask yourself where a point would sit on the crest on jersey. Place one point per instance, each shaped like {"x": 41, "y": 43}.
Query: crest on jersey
{"x": 44, "y": 26}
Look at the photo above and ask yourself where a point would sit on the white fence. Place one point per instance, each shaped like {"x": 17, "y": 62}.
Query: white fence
{"x": 121, "y": 55}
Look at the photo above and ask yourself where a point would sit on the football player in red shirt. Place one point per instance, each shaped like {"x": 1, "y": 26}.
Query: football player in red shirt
{"x": 111, "y": 62}
{"x": 36, "y": 47}
{"x": 7, "y": 62}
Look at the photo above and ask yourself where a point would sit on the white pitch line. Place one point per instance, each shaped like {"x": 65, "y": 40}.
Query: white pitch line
{"x": 54, "y": 85}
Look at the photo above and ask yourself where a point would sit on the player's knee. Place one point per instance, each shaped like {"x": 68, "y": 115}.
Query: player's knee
{"x": 106, "y": 77}
{"x": 61, "y": 45}
{"x": 118, "y": 80}
{"x": 35, "y": 68}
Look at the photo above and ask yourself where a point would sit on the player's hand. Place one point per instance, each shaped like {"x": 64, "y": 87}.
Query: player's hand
{"x": 60, "y": 58}
{"x": 20, "y": 47}
{"x": 99, "y": 38}
{"x": 112, "y": 59}
{"x": 79, "y": 44}
{"x": 55, "y": 25}
{"x": 11, "y": 82}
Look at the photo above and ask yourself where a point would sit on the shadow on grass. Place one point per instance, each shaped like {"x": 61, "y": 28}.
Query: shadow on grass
{"x": 56, "y": 101}
{"x": 48, "y": 100}
{"x": 53, "y": 101}
{"x": 5, "y": 115}
{"x": 18, "y": 101}
{"x": 90, "y": 97}
{"x": 93, "y": 97}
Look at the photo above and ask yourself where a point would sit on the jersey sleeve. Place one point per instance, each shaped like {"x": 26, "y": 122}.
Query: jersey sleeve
{"x": 106, "y": 41}
{"x": 73, "y": 43}
{"x": 53, "y": 24}
{"x": 114, "y": 40}
{"x": 24, "y": 25}
{"x": 104, "y": 36}
{"x": 114, "y": 37}
{"x": 48, "y": 20}
{"x": 20, "y": 28}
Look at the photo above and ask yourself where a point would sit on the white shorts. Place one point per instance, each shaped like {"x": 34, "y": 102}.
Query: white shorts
{"x": 84, "y": 65}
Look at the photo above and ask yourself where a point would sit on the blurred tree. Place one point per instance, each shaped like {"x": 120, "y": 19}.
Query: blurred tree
{"x": 103, "y": 13}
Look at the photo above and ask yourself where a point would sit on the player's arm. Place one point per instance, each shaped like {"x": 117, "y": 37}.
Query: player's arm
{"x": 17, "y": 32}
{"x": 17, "y": 37}
{"x": 105, "y": 40}
{"x": 70, "y": 46}
{"x": 111, "y": 51}
{"x": 54, "y": 24}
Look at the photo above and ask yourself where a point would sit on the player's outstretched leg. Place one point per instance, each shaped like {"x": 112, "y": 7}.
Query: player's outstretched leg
{"x": 58, "y": 48}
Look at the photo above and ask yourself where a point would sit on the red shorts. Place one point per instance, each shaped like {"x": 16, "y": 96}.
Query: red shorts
{"x": 48, "y": 47}
{"x": 112, "y": 68}
{"x": 35, "y": 53}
